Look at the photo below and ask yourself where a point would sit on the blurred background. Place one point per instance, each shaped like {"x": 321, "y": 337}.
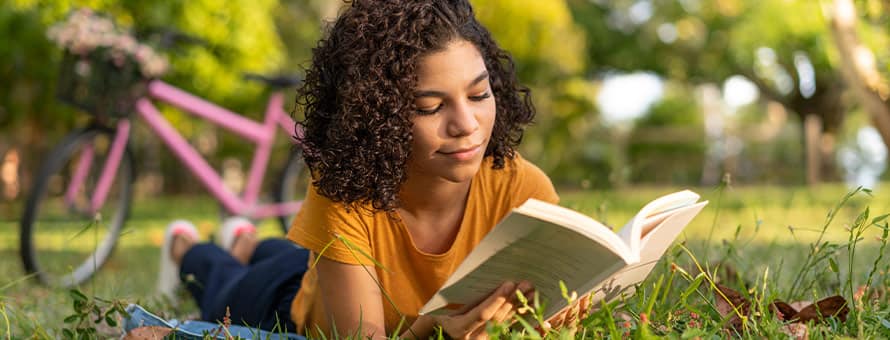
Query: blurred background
{"x": 628, "y": 92}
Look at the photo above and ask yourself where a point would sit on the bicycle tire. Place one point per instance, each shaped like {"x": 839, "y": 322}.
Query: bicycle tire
{"x": 292, "y": 184}
{"x": 49, "y": 246}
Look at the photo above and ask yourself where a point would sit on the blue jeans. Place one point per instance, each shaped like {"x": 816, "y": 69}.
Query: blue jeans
{"x": 258, "y": 294}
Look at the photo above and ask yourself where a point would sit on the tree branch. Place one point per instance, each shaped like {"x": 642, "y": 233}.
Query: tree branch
{"x": 858, "y": 67}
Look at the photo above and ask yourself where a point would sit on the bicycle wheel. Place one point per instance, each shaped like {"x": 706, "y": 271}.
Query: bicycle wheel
{"x": 63, "y": 240}
{"x": 292, "y": 184}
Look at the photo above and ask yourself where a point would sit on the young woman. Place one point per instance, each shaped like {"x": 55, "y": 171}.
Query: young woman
{"x": 412, "y": 117}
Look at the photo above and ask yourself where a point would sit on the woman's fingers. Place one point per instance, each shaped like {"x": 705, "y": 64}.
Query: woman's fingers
{"x": 584, "y": 306}
{"x": 573, "y": 314}
{"x": 487, "y": 309}
{"x": 503, "y": 312}
{"x": 556, "y": 320}
{"x": 498, "y": 307}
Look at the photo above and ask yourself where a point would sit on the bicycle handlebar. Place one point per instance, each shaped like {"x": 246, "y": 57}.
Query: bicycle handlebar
{"x": 279, "y": 81}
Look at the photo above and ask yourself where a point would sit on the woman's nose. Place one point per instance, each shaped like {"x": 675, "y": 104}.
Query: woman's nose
{"x": 463, "y": 120}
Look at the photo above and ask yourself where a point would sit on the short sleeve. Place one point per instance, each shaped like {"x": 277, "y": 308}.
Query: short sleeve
{"x": 331, "y": 230}
{"x": 531, "y": 182}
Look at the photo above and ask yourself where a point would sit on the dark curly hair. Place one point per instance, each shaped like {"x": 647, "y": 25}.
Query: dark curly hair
{"x": 358, "y": 95}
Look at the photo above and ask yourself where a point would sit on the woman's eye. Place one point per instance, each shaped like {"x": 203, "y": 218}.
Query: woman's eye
{"x": 481, "y": 97}
{"x": 429, "y": 111}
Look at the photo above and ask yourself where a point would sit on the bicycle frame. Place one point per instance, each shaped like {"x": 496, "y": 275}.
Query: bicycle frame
{"x": 262, "y": 134}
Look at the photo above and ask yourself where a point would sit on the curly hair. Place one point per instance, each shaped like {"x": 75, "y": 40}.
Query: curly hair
{"x": 358, "y": 95}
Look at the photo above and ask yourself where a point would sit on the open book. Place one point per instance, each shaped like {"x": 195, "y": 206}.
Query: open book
{"x": 544, "y": 243}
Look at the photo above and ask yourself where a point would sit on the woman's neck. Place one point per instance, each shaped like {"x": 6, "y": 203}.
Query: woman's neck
{"x": 433, "y": 212}
{"x": 434, "y": 198}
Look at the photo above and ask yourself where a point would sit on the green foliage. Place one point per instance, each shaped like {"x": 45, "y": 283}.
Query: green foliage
{"x": 27, "y": 62}
{"x": 89, "y": 313}
{"x": 667, "y": 144}
{"x": 549, "y": 49}
{"x": 242, "y": 37}
{"x": 540, "y": 34}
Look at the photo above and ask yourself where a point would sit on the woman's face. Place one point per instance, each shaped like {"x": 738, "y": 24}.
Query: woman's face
{"x": 455, "y": 112}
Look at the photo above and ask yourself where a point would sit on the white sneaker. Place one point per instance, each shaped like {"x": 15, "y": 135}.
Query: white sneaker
{"x": 168, "y": 275}
{"x": 231, "y": 228}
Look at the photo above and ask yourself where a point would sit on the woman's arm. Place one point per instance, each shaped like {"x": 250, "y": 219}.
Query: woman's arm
{"x": 351, "y": 298}
{"x": 469, "y": 323}
{"x": 353, "y": 302}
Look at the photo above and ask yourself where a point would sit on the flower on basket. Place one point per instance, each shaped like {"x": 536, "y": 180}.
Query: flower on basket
{"x": 85, "y": 33}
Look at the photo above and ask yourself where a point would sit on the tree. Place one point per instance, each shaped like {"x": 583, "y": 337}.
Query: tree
{"x": 858, "y": 61}
{"x": 788, "y": 57}
{"x": 549, "y": 50}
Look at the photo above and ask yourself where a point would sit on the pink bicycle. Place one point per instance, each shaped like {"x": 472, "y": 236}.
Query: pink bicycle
{"x": 81, "y": 198}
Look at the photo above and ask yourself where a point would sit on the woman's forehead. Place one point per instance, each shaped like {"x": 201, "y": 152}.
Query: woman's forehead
{"x": 458, "y": 63}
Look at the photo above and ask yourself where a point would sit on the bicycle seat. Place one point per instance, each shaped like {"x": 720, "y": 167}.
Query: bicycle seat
{"x": 282, "y": 81}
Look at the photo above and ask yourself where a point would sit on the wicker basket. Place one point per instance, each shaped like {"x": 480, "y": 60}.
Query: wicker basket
{"x": 95, "y": 84}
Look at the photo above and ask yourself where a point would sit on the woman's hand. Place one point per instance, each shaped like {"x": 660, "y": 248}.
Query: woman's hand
{"x": 568, "y": 316}
{"x": 469, "y": 323}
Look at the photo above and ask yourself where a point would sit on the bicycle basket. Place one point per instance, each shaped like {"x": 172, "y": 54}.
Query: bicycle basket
{"x": 96, "y": 84}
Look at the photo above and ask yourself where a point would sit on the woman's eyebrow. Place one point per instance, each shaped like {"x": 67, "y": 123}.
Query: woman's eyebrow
{"x": 482, "y": 76}
{"x": 433, "y": 93}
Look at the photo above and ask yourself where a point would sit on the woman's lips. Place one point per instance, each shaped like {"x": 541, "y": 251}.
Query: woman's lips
{"x": 463, "y": 154}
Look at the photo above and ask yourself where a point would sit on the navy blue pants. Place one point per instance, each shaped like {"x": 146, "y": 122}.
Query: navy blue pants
{"x": 258, "y": 294}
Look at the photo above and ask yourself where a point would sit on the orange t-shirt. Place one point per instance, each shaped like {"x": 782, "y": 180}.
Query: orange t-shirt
{"x": 411, "y": 276}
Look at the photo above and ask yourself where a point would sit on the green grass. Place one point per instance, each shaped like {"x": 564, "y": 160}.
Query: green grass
{"x": 764, "y": 234}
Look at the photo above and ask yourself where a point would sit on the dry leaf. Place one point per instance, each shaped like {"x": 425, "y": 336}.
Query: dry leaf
{"x": 834, "y": 306}
{"x": 797, "y": 331}
{"x": 798, "y": 305}
{"x": 727, "y": 304}
{"x": 783, "y": 310}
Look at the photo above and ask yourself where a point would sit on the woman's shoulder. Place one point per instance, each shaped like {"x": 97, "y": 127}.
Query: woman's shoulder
{"x": 519, "y": 179}
{"x": 331, "y": 228}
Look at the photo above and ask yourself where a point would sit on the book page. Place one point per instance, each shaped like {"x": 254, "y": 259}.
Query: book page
{"x": 544, "y": 256}
{"x": 655, "y": 243}
{"x": 652, "y": 214}
{"x": 578, "y": 222}
{"x": 653, "y": 246}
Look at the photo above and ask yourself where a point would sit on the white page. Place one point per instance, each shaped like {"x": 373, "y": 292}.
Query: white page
{"x": 558, "y": 254}
{"x": 654, "y": 245}
{"x": 652, "y": 214}
{"x": 580, "y": 223}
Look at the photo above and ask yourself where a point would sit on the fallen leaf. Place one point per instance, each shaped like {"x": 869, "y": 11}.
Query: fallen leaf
{"x": 835, "y": 306}
{"x": 798, "y": 305}
{"x": 783, "y": 310}
{"x": 797, "y": 331}
{"x": 728, "y": 302}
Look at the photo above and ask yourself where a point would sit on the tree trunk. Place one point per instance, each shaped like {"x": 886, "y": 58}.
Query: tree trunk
{"x": 812, "y": 127}
{"x": 714, "y": 125}
{"x": 858, "y": 67}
